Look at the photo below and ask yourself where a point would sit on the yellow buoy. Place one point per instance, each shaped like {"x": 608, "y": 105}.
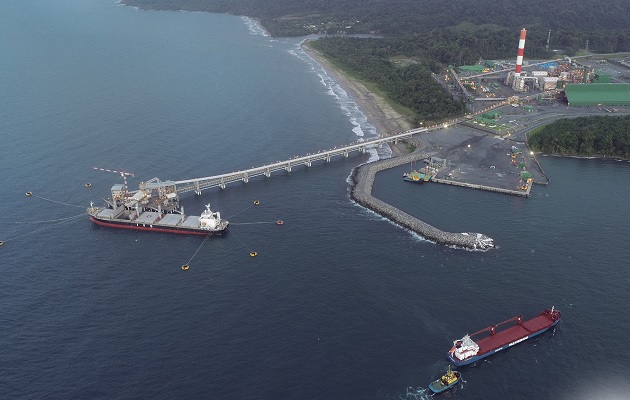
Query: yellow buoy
{"x": 256, "y": 202}
{"x": 29, "y": 193}
{"x": 88, "y": 185}
{"x": 185, "y": 267}
{"x": 253, "y": 254}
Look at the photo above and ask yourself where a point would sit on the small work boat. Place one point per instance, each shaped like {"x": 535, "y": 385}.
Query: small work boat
{"x": 415, "y": 177}
{"x": 446, "y": 382}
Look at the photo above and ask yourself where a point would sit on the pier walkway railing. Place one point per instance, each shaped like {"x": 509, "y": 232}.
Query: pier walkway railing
{"x": 199, "y": 184}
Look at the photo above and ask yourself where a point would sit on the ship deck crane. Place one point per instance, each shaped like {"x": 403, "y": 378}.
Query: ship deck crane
{"x": 123, "y": 174}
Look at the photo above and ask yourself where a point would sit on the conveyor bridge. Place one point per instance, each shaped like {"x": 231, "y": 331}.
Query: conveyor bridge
{"x": 199, "y": 184}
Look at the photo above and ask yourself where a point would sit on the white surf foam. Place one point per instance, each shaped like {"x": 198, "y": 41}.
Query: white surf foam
{"x": 360, "y": 125}
{"x": 254, "y": 27}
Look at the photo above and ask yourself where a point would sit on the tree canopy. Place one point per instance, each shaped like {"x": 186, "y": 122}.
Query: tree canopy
{"x": 572, "y": 22}
{"x": 410, "y": 85}
{"x": 585, "y": 136}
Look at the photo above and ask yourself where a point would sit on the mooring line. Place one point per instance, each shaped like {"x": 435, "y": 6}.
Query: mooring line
{"x": 252, "y": 223}
{"x": 237, "y": 238}
{"x": 48, "y": 227}
{"x": 198, "y": 248}
{"x": 40, "y": 222}
{"x": 58, "y": 202}
{"x": 243, "y": 210}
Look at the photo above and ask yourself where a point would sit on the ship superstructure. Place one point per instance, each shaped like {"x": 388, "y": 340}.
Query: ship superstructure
{"x": 154, "y": 207}
{"x": 466, "y": 350}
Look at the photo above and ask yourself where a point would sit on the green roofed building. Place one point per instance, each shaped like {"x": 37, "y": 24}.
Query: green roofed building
{"x": 601, "y": 78}
{"x": 473, "y": 68}
{"x": 595, "y": 94}
{"x": 526, "y": 175}
{"x": 491, "y": 115}
{"x": 485, "y": 121}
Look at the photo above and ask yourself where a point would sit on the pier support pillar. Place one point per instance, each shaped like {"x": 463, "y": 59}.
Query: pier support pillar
{"x": 327, "y": 157}
{"x": 267, "y": 173}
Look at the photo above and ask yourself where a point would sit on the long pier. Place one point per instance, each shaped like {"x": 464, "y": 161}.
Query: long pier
{"x": 199, "y": 184}
{"x": 523, "y": 193}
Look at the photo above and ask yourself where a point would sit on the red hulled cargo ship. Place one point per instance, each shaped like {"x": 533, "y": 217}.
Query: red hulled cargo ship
{"x": 154, "y": 207}
{"x": 466, "y": 350}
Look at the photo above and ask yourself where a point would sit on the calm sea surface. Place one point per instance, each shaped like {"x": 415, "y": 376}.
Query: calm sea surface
{"x": 339, "y": 303}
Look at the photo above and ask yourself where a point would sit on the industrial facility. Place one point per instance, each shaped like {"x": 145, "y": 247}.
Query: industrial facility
{"x": 578, "y": 81}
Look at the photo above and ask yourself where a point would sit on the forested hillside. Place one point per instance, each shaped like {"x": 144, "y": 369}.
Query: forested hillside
{"x": 456, "y": 46}
{"x": 585, "y": 136}
{"x": 604, "y": 24}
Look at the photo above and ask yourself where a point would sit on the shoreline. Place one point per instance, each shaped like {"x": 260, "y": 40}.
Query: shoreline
{"x": 379, "y": 114}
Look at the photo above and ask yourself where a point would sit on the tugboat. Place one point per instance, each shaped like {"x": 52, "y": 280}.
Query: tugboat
{"x": 446, "y": 382}
{"x": 415, "y": 176}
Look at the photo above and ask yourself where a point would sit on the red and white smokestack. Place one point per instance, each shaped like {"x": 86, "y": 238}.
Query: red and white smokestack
{"x": 521, "y": 51}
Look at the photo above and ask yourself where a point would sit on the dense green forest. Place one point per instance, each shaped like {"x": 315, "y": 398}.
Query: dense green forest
{"x": 572, "y": 22}
{"x": 410, "y": 85}
{"x": 585, "y": 136}
{"x": 442, "y": 47}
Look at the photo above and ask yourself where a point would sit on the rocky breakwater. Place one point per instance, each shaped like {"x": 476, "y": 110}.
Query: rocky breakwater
{"x": 361, "y": 191}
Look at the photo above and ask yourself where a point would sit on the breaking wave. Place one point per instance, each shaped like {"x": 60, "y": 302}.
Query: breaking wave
{"x": 254, "y": 27}
{"x": 360, "y": 125}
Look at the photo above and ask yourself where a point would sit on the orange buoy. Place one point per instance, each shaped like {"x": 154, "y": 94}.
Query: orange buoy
{"x": 279, "y": 222}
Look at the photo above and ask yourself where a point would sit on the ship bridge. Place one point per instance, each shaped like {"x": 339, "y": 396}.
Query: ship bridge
{"x": 199, "y": 184}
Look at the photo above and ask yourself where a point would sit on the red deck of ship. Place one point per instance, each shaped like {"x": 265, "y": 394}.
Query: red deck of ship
{"x": 513, "y": 333}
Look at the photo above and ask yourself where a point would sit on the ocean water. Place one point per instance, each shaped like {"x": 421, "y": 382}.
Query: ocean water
{"x": 339, "y": 303}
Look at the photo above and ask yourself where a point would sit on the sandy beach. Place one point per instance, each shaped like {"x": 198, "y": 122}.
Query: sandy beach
{"x": 378, "y": 112}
